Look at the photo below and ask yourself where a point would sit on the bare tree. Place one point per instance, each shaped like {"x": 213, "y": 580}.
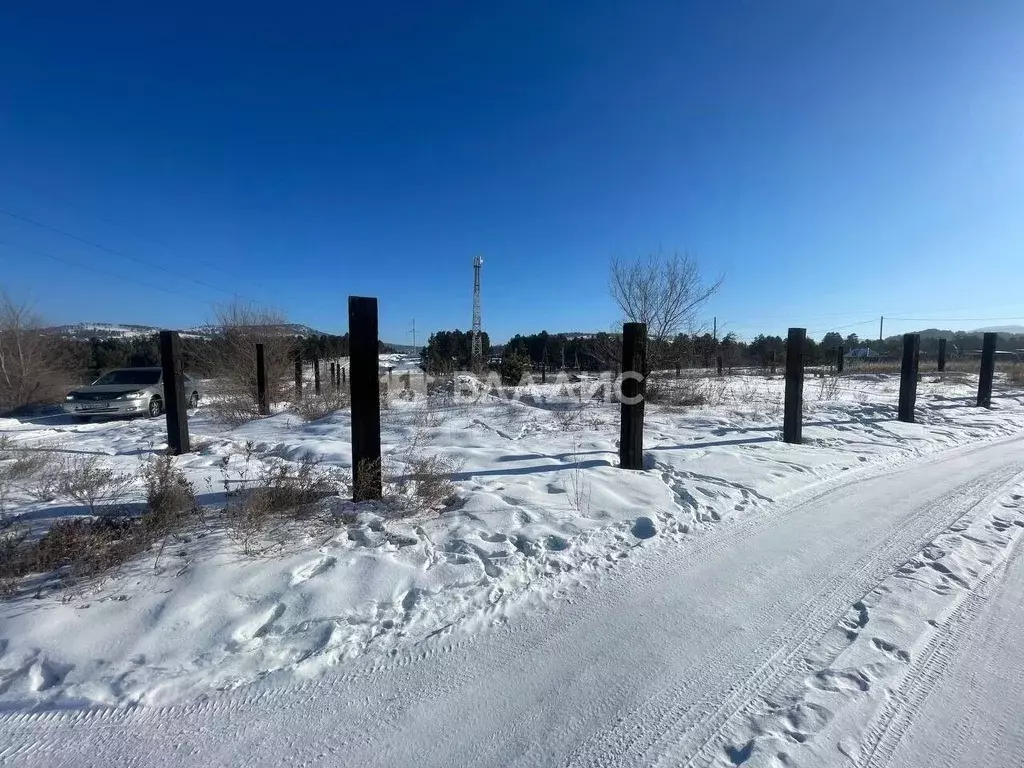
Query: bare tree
{"x": 664, "y": 292}
{"x": 32, "y": 368}
{"x": 237, "y": 328}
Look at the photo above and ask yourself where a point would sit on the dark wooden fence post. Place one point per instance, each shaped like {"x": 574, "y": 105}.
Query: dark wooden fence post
{"x": 263, "y": 403}
{"x": 175, "y": 405}
{"x": 718, "y": 363}
{"x": 343, "y": 378}
{"x": 631, "y": 426}
{"x": 771, "y": 361}
{"x": 792, "y": 424}
{"x": 364, "y": 383}
{"x": 942, "y": 355}
{"x": 908, "y": 376}
{"x": 298, "y": 375}
{"x": 316, "y": 374}
{"x": 543, "y": 373}
{"x": 988, "y": 369}
{"x": 840, "y": 359}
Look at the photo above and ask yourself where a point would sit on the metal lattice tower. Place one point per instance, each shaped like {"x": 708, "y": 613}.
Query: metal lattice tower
{"x": 478, "y": 351}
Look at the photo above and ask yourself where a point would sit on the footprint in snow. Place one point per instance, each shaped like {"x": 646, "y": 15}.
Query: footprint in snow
{"x": 259, "y": 626}
{"x": 312, "y": 570}
{"x": 890, "y": 649}
{"x": 643, "y": 528}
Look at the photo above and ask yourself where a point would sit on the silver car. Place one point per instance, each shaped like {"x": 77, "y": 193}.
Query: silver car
{"x": 126, "y": 392}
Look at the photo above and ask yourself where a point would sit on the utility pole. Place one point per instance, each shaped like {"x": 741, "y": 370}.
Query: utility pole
{"x": 881, "y": 322}
{"x": 413, "y": 333}
{"x": 714, "y": 333}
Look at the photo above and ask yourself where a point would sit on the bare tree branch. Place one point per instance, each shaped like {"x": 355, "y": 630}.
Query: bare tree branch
{"x": 664, "y": 292}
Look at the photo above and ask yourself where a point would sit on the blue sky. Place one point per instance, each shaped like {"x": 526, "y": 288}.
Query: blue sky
{"x": 835, "y": 160}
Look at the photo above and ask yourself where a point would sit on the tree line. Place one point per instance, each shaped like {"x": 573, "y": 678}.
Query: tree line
{"x": 450, "y": 350}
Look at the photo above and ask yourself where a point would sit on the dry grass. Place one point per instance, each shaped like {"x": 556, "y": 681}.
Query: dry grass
{"x": 685, "y": 392}
{"x": 171, "y": 503}
{"x": 828, "y": 388}
{"x": 232, "y": 408}
{"x": 1015, "y": 375}
{"x": 86, "y": 479}
{"x": 19, "y": 465}
{"x": 74, "y": 549}
{"x": 426, "y": 484}
{"x": 90, "y": 546}
{"x": 261, "y": 511}
{"x": 569, "y": 419}
{"x": 313, "y": 407}
{"x": 579, "y": 489}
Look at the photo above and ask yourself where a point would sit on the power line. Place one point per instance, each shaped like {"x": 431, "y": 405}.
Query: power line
{"x": 92, "y": 268}
{"x": 121, "y": 254}
{"x": 134, "y": 232}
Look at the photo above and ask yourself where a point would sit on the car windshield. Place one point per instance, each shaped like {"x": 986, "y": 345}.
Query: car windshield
{"x": 130, "y": 377}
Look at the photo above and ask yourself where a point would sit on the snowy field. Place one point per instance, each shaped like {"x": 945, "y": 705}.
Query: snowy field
{"x": 541, "y": 522}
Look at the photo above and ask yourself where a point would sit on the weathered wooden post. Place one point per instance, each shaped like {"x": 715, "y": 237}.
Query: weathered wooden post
{"x": 343, "y": 376}
{"x": 543, "y": 373}
{"x": 771, "y": 359}
{"x": 908, "y": 376}
{"x": 316, "y": 374}
{"x": 988, "y": 369}
{"x": 298, "y": 375}
{"x": 840, "y": 359}
{"x": 365, "y": 388}
{"x": 942, "y": 355}
{"x": 262, "y": 402}
{"x": 175, "y": 405}
{"x": 390, "y": 380}
{"x": 792, "y": 424}
{"x": 718, "y": 363}
{"x": 334, "y": 383}
{"x": 631, "y": 425}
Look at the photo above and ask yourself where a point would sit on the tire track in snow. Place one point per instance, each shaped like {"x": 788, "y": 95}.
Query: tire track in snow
{"x": 871, "y": 570}
{"x": 904, "y": 702}
{"x": 660, "y": 724}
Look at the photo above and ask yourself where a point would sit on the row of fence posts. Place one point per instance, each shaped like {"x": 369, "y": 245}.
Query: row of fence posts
{"x": 364, "y": 388}
{"x": 909, "y": 371}
{"x": 338, "y": 375}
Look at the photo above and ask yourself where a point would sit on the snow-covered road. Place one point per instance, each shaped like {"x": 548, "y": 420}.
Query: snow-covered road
{"x": 713, "y": 650}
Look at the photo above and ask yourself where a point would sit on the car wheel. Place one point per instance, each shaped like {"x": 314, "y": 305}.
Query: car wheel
{"x": 156, "y": 407}
{"x": 193, "y": 400}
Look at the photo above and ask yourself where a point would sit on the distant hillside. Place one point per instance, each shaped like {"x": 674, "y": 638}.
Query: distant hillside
{"x": 1005, "y": 330}
{"x": 1017, "y": 330}
{"x": 105, "y": 331}
{"x": 124, "y": 332}
{"x": 102, "y": 331}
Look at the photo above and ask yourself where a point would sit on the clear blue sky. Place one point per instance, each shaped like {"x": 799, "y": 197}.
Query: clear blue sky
{"x": 836, "y": 160}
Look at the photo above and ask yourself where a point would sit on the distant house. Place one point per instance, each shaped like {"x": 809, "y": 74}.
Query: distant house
{"x": 862, "y": 353}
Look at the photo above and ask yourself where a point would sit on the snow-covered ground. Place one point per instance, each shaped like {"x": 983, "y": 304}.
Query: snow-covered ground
{"x": 741, "y": 601}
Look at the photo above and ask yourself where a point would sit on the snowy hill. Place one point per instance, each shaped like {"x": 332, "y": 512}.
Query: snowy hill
{"x": 124, "y": 331}
{"x": 1011, "y": 329}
